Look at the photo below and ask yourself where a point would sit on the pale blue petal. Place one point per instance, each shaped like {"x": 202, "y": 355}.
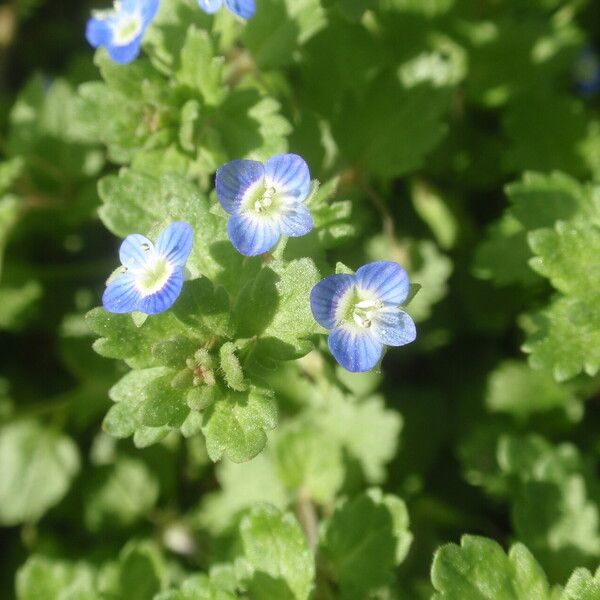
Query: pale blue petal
{"x": 356, "y": 349}
{"x": 134, "y": 251}
{"x": 123, "y": 55}
{"x": 175, "y": 243}
{"x": 387, "y": 280}
{"x": 130, "y": 6}
{"x": 242, "y": 8}
{"x": 289, "y": 175}
{"x": 121, "y": 295}
{"x": 325, "y": 296}
{"x": 98, "y": 32}
{"x": 234, "y": 179}
{"x": 394, "y": 328}
{"x": 210, "y": 6}
{"x": 149, "y": 10}
{"x": 295, "y": 219}
{"x": 252, "y": 236}
{"x": 165, "y": 297}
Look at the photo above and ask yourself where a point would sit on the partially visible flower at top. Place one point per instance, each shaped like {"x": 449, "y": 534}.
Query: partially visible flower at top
{"x": 586, "y": 72}
{"x": 152, "y": 275}
{"x": 121, "y": 30}
{"x": 362, "y": 310}
{"x": 264, "y": 201}
{"x": 241, "y": 8}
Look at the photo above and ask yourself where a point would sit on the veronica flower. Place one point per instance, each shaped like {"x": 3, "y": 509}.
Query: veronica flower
{"x": 152, "y": 275}
{"x": 362, "y": 310}
{"x": 586, "y": 71}
{"x": 120, "y": 30}
{"x": 241, "y": 8}
{"x": 264, "y": 201}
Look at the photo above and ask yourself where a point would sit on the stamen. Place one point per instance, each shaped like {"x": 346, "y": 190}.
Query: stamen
{"x": 366, "y": 323}
{"x": 145, "y": 247}
{"x": 265, "y": 201}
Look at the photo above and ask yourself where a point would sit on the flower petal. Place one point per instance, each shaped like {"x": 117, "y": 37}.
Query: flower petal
{"x": 149, "y": 10}
{"x": 289, "y": 175}
{"x": 356, "y": 349}
{"x": 123, "y": 55}
{"x": 175, "y": 243}
{"x": 121, "y": 294}
{"x": 210, "y": 6}
{"x": 387, "y": 280}
{"x": 233, "y": 180}
{"x": 98, "y": 32}
{"x": 252, "y": 236}
{"x": 135, "y": 250}
{"x": 394, "y": 328}
{"x": 164, "y": 298}
{"x": 242, "y": 8}
{"x": 295, "y": 219}
{"x": 325, "y": 295}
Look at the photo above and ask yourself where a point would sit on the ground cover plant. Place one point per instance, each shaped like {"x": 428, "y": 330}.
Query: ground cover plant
{"x": 300, "y": 299}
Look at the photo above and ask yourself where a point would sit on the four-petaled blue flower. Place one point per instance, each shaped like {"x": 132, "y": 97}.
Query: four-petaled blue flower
{"x": 264, "y": 201}
{"x": 362, "y": 310}
{"x": 586, "y": 71}
{"x": 120, "y": 30}
{"x": 242, "y": 8}
{"x": 152, "y": 275}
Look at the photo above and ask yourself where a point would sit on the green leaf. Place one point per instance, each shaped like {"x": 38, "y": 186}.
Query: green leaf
{"x": 479, "y": 569}
{"x": 387, "y": 115}
{"x": 231, "y": 367}
{"x": 537, "y": 201}
{"x": 282, "y": 567}
{"x": 196, "y": 587}
{"x": 199, "y": 68}
{"x": 276, "y": 308}
{"x": 508, "y": 59}
{"x": 142, "y": 571}
{"x": 10, "y": 209}
{"x": 120, "y": 494}
{"x": 515, "y": 388}
{"x": 18, "y": 303}
{"x": 122, "y": 339}
{"x": 274, "y": 34}
{"x": 546, "y": 133}
{"x": 39, "y": 465}
{"x": 242, "y": 485}
{"x": 363, "y": 540}
{"x": 582, "y": 585}
{"x": 566, "y": 336}
{"x": 41, "y": 577}
{"x": 554, "y": 494}
{"x": 309, "y": 461}
{"x": 236, "y": 425}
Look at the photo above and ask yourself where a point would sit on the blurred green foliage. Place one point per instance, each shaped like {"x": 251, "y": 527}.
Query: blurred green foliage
{"x": 216, "y": 451}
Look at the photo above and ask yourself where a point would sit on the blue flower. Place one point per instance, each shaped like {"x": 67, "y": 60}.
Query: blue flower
{"x": 264, "y": 201}
{"x": 152, "y": 275}
{"x": 586, "y": 72}
{"x": 241, "y": 8}
{"x": 120, "y": 30}
{"x": 362, "y": 310}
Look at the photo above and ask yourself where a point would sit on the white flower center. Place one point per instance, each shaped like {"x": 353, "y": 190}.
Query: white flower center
{"x": 265, "y": 202}
{"x": 261, "y": 199}
{"x": 154, "y": 276}
{"x": 127, "y": 29}
{"x": 359, "y": 307}
{"x": 365, "y": 311}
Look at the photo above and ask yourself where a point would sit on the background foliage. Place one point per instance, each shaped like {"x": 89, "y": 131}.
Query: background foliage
{"x": 447, "y": 136}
